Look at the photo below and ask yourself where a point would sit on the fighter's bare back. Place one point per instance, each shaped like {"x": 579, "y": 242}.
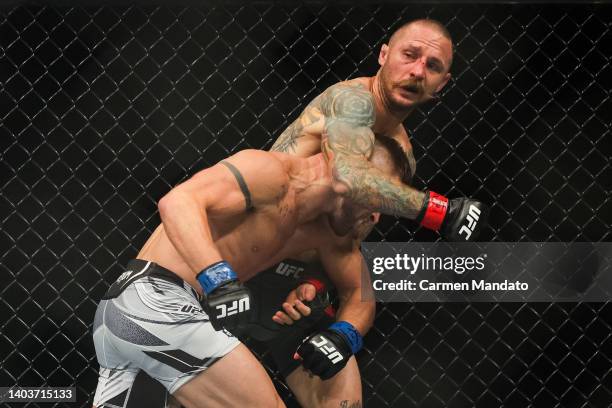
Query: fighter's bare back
{"x": 288, "y": 195}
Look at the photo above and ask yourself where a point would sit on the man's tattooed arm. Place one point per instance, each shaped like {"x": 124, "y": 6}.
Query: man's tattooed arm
{"x": 288, "y": 140}
{"x": 348, "y": 141}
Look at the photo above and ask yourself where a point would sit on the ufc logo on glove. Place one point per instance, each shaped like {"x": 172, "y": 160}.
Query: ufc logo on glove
{"x": 472, "y": 219}
{"x": 329, "y": 350}
{"x": 238, "y": 306}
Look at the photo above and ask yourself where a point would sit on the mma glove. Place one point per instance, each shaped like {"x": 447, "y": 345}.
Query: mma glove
{"x": 227, "y": 301}
{"x": 458, "y": 219}
{"x": 265, "y": 303}
{"x": 325, "y": 353}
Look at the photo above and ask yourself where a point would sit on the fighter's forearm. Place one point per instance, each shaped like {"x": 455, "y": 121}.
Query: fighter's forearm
{"x": 355, "y": 311}
{"x": 369, "y": 187}
{"x": 186, "y": 225}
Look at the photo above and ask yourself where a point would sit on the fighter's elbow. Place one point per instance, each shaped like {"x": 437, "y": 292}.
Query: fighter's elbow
{"x": 344, "y": 178}
{"x": 170, "y": 204}
{"x": 165, "y": 206}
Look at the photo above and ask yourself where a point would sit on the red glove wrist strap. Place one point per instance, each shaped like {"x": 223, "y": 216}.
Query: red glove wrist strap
{"x": 437, "y": 205}
{"x": 319, "y": 286}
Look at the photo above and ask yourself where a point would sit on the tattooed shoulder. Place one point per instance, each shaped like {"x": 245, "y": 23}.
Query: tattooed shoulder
{"x": 349, "y": 102}
{"x": 288, "y": 140}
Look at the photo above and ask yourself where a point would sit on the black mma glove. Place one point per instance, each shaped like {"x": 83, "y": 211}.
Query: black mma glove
{"x": 459, "y": 219}
{"x": 265, "y": 301}
{"x": 326, "y": 353}
{"x": 227, "y": 301}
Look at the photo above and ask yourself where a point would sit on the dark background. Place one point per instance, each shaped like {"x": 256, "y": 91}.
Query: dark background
{"x": 103, "y": 109}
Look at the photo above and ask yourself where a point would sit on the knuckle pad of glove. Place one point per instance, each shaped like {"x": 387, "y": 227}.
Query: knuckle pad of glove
{"x": 229, "y": 305}
{"x": 324, "y": 354}
{"x": 466, "y": 219}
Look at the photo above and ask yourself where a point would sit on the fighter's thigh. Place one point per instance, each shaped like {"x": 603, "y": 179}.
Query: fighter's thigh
{"x": 342, "y": 390}
{"x": 236, "y": 380}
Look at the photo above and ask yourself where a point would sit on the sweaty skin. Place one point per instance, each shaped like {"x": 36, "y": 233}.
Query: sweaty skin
{"x": 342, "y": 120}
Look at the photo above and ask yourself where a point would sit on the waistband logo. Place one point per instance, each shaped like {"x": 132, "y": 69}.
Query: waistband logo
{"x": 289, "y": 270}
{"x": 124, "y": 276}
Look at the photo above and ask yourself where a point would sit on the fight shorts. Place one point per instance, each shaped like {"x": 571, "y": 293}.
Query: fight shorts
{"x": 151, "y": 320}
{"x": 270, "y": 289}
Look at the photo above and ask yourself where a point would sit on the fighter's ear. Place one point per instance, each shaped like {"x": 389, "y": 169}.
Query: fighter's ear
{"x": 447, "y": 78}
{"x": 382, "y": 56}
{"x": 374, "y": 217}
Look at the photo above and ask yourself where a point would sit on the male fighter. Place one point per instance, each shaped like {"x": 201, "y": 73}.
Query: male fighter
{"x": 227, "y": 222}
{"x": 341, "y": 122}
{"x": 344, "y": 387}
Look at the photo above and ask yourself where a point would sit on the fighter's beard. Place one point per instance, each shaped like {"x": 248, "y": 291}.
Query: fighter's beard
{"x": 397, "y": 109}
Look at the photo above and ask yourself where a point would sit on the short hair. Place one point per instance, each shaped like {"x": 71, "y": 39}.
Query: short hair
{"x": 441, "y": 28}
{"x": 397, "y": 155}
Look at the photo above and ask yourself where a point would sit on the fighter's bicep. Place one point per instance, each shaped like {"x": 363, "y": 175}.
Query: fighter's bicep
{"x": 261, "y": 177}
{"x": 215, "y": 190}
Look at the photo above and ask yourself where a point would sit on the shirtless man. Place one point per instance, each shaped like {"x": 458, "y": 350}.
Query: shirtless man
{"x": 249, "y": 211}
{"x": 341, "y": 122}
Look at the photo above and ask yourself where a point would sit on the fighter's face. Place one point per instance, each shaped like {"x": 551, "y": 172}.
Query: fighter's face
{"x": 414, "y": 66}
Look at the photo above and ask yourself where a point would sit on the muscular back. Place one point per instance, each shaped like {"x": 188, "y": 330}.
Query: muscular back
{"x": 209, "y": 214}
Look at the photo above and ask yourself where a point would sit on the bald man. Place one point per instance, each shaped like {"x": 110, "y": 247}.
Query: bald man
{"x": 341, "y": 123}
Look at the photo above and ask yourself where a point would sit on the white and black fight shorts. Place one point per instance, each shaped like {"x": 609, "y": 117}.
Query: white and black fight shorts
{"x": 152, "y": 320}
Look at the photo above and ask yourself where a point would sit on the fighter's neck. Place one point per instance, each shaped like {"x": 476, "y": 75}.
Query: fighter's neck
{"x": 386, "y": 117}
{"x": 312, "y": 183}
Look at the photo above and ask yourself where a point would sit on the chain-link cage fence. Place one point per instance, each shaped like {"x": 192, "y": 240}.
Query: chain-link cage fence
{"x": 103, "y": 109}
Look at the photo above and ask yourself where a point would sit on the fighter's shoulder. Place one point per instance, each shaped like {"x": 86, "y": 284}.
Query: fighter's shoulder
{"x": 349, "y": 87}
{"x": 350, "y": 100}
{"x": 260, "y": 166}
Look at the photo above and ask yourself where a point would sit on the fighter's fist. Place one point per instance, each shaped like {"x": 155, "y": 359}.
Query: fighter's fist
{"x": 459, "y": 219}
{"x": 227, "y": 301}
{"x": 325, "y": 353}
{"x": 309, "y": 299}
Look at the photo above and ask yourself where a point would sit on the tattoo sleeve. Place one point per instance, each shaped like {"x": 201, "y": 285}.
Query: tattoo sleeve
{"x": 288, "y": 140}
{"x": 348, "y": 142}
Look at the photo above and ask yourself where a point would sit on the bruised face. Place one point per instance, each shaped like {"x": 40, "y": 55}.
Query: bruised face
{"x": 358, "y": 221}
{"x": 414, "y": 66}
